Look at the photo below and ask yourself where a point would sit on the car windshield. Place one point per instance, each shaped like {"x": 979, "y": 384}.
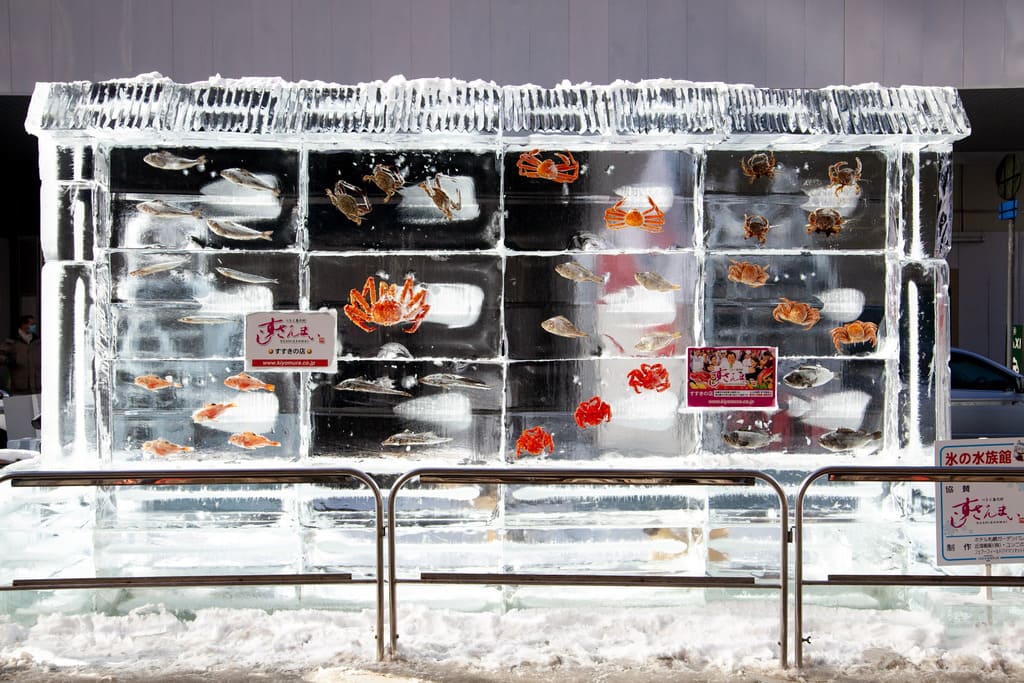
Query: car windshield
{"x": 971, "y": 373}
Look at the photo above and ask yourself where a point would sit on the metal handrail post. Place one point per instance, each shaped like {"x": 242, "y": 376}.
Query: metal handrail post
{"x": 571, "y": 476}
{"x": 889, "y": 474}
{"x": 292, "y": 475}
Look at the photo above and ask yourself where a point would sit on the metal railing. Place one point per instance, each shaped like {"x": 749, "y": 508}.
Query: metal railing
{"x": 307, "y": 475}
{"x": 889, "y": 474}
{"x": 553, "y": 476}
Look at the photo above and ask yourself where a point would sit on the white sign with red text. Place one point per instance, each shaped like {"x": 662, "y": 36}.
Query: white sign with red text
{"x": 291, "y": 340}
{"x": 979, "y": 523}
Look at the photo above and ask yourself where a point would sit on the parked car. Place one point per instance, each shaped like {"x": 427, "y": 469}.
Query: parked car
{"x": 986, "y": 398}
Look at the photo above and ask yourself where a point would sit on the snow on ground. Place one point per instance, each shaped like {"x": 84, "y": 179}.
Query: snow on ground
{"x": 711, "y": 642}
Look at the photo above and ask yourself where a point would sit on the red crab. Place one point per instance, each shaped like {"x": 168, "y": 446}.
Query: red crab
{"x": 591, "y": 413}
{"x": 534, "y": 440}
{"x": 387, "y": 308}
{"x": 651, "y": 220}
{"x": 649, "y": 377}
{"x": 531, "y": 166}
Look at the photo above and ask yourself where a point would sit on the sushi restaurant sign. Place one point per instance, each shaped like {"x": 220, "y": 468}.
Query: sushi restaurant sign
{"x": 291, "y": 340}
{"x": 979, "y": 523}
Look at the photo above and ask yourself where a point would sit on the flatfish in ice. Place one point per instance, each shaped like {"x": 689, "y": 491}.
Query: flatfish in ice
{"x": 562, "y": 327}
{"x": 748, "y": 438}
{"x": 655, "y": 282}
{"x": 161, "y": 209}
{"x": 381, "y": 385}
{"x": 168, "y": 161}
{"x": 407, "y": 437}
{"x": 808, "y": 377}
{"x": 845, "y": 439}
{"x": 244, "y": 178}
{"x": 577, "y": 272}
{"x": 449, "y": 381}
{"x": 237, "y": 231}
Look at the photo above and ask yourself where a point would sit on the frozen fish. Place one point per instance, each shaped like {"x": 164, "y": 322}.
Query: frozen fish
{"x": 160, "y": 267}
{"x": 576, "y": 272}
{"x": 245, "y": 277}
{"x": 205, "y": 319}
{"x": 408, "y": 437}
{"x": 656, "y": 341}
{"x": 169, "y": 161}
{"x": 845, "y": 439}
{"x": 562, "y": 327}
{"x": 244, "y": 178}
{"x": 154, "y": 383}
{"x": 211, "y": 411}
{"x": 163, "y": 447}
{"x": 808, "y": 377}
{"x": 393, "y": 350}
{"x": 381, "y": 385}
{"x": 655, "y": 282}
{"x": 448, "y": 381}
{"x": 237, "y": 231}
{"x": 251, "y": 440}
{"x": 162, "y": 209}
{"x": 745, "y": 438}
{"x": 246, "y": 382}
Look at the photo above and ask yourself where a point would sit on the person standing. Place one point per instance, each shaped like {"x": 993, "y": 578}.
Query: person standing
{"x": 22, "y": 356}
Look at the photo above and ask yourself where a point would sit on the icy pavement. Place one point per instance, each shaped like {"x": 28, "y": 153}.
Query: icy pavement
{"x": 714, "y": 642}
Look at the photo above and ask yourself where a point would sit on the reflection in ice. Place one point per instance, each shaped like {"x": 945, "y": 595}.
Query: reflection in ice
{"x": 251, "y": 413}
{"x": 455, "y": 304}
{"x": 841, "y": 409}
{"x": 842, "y": 303}
{"x": 649, "y": 411}
{"x": 458, "y": 195}
{"x": 452, "y": 410}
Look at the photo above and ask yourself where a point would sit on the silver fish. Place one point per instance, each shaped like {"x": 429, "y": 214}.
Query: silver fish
{"x": 576, "y": 272}
{"x": 381, "y": 385}
{"x": 408, "y": 437}
{"x": 244, "y": 178}
{"x": 245, "y": 277}
{"x": 162, "y": 209}
{"x": 205, "y": 319}
{"x": 656, "y": 341}
{"x": 808, "y": 377}
{"x": 562, "y": 327}
{"x": 655, "y": 282}
{"x": 237, "y": 231}
{"x": 746, "y": 438}
{"x": 393, "y": 350}
{"x": 169, "y": 161}
{"x": 845, "y": 439}
{"x": 447, "y": 381}
{"x": 160, "y": 267}
{"x": 587, "y": 241}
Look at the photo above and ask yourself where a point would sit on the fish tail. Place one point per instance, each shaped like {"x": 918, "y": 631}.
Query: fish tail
{"x": 187, "y": 449}
{"x": 274, "y": 443}
{"x": 176, "y": 384}
{"x": 603, "y": 279}
{"x": 268, "y": 387}
{"x": 266, "y": 235}
{"x": 202, "y": 159}
{"x": 197, "y": 212}
{"x": 277, "y": 191}
{"x": 876, "y": 435}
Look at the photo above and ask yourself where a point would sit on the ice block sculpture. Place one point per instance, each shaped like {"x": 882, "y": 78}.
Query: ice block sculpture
{"x": 517, "y": 272}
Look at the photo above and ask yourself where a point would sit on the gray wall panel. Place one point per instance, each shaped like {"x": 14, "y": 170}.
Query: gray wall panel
{"x": 983, "y": 43}
{"x": 549, "y": 41}
{"x": 111, "y": 44}
{"x": 745, "y": 42}
{"x": 72, "y": 40}
{"x": 232, "y": 38}
{"x": 5, "y": 46}
{"x": 431, "y": 42}
{"x": 588, "y": 41}
{"x": 627, "y": 39}
{"x": 344, "y": 53}
{"x": 510, "y": 38}
{"x": 192, "y": 23}
{"x": 470, "y": 37}
{"x": 706, "y": 42}
{"x": 1013, "y": 55}
{"x": 271, "y": 38}
{"x": 666, "y": 38}
{"x": 31, "y": 60}
{"x": 151, "y": 35}
{"x": 784, "y": 43}
{"x": 903, "y": 37}
{"x": 824, "y": 32}
{"x": 391, "y": 47}
{"x": 864, "y": 44}
{"x": 942, "y": 52}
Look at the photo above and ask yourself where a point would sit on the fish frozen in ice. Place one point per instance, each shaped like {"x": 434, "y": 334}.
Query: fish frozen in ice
{"x": 447, "y": 380}
{"x": 587, "y": 241}
{"x": 211, "y": 411}
{"x": 244, "y": 178}
{"x": 562, "y": 327}
{"x": 655, "y": 341}
{"x": 168, "y": 161}
{"x": 393, "y": 350}
{"x": 164, "y": 447}
{"x": 807, "y": 377}
{"x": 748, "y": 438}
{"x": 236, "y": 231}
{"x": 246, "y": 382}
{"x": 161, "y": 209}
{"x": 205, "y": 319}
{"x": 381, "y": 385}
{"x": 407, "y": 437}
{"x": 154, "y": 383}
{"x": 251, "y": 440}
{"x": 845, "y": 439}
{"x": 160, "y": 267}
{"x": 655, "y": 282}
{"x": 245, "y": 277}
{"x": 571, "y": 270}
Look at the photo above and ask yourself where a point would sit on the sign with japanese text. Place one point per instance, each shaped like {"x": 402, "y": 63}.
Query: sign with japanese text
{"x": 731, "y": 377}
{"x": 979, "y": 523}
{"x": 291, "y": 340}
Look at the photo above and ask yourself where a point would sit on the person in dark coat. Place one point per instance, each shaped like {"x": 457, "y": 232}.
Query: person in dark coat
{"x": 21, "y": 354}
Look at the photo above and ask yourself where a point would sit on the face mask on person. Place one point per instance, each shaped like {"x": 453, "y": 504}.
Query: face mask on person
{"x": 33, "y": 330}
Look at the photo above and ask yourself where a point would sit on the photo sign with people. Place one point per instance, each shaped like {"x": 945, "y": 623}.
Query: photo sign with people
{"x": 731, "y": 377}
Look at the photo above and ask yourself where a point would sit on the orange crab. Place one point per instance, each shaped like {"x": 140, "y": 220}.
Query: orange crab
{"x": 796, "y": 313}
{"x": 649, "y": 220}
{"x": 756, "y": 226}
{"x": 759, "y": 165}
{"x": 747, "y": 273}
{"x": 531, "y": 166}
{"x": 855, "y": 333}
{"x": 842, "y": 176}
{"x": 352, "y": 208}
{"x": 647, "y": 376}
{"x": 387, "y": 308}
{"x": 534, "y": 441}
{"x": 592, "y": 413}
{"x": 827, "y": 222}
